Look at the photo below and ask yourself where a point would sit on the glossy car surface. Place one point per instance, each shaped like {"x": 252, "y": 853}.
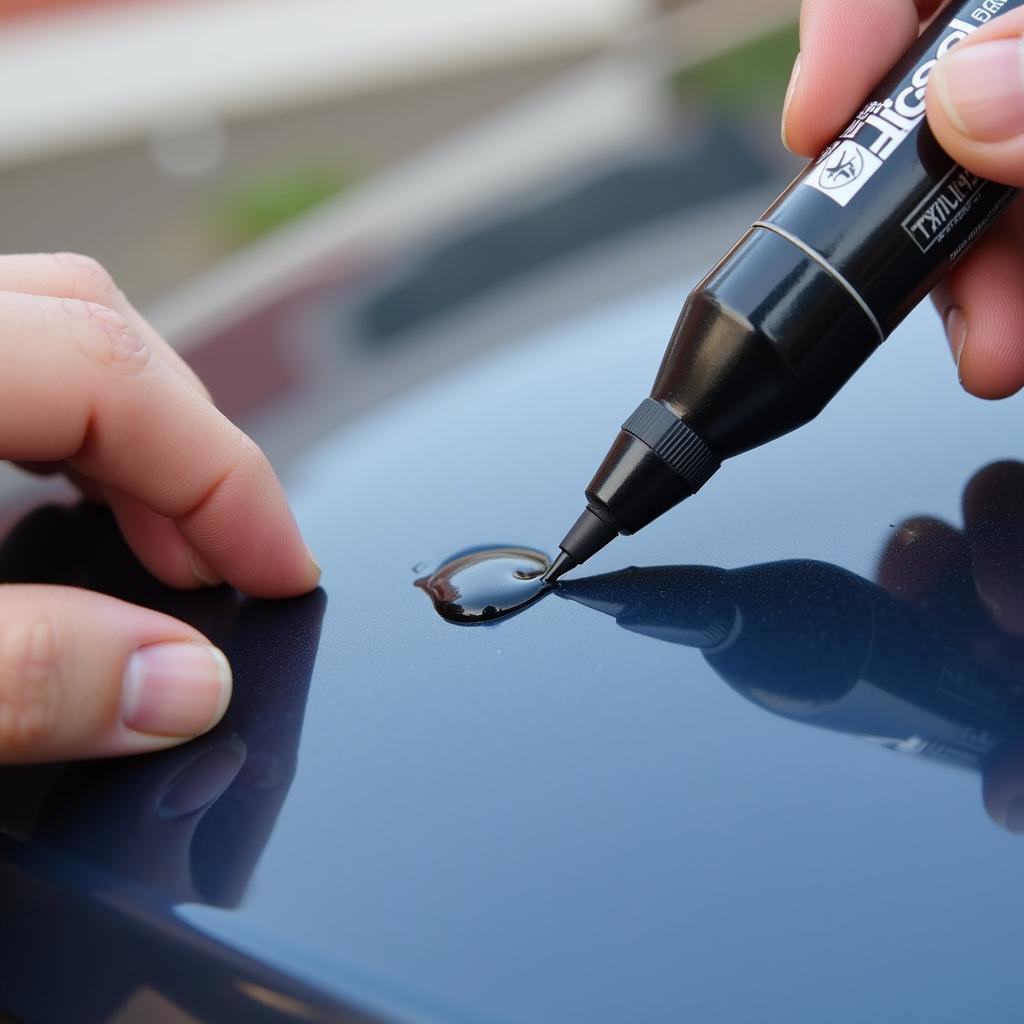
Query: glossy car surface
{"x": 575, "y": 814}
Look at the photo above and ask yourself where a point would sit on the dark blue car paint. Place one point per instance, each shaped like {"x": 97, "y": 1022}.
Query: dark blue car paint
{"x": 545, "y": 819}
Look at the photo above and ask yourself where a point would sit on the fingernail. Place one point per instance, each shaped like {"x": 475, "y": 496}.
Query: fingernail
{"x": 956, "y": 332}
{"x": 175, "y": 689}
{"x": 1015, "y": 815}
{"x": 982, "y": 89}
{"x": 201, "y": 570}
{"x": 790, "y": 89}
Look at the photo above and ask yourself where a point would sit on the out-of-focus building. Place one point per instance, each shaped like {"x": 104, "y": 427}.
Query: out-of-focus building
{"x": 141, "y": 120}
{"x": 158, "y": 135}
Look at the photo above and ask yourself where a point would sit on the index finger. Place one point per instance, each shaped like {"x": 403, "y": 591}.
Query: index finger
{"x": 74, "y": 276}
{"x": 846, "y": 48}
{"x": 80, "y": 384}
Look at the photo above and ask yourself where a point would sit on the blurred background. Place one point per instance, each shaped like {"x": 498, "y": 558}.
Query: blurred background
{"x": 355, "y": 195}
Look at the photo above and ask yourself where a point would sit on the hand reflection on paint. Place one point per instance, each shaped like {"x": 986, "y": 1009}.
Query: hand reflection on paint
{"x": 970, "y": 582}
{"x": 192, "y": 821}
{"x": 928, "y": 661}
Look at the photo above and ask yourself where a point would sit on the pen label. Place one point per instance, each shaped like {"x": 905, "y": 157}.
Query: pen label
{"x": 943, "y": 208}
{"x": 988, "y": 10}
{"x": 844, "y": 170}
{"x": 879, "y": 129}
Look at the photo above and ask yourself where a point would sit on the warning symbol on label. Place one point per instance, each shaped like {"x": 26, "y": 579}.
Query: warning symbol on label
{"x": 843, "y": 171}
{"x": 844, "y": 167}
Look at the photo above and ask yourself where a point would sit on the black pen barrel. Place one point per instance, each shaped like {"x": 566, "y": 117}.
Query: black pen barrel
{"x": 769, "y": 337}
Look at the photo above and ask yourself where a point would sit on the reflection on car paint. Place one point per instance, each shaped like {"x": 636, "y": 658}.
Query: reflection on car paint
{"x": 818, "y": 644}
{"x": 192, "y": 821}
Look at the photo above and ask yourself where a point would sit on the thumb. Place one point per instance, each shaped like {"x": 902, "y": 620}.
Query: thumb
{"x": 976, "y": 101}
{"x": 85, "y": 675}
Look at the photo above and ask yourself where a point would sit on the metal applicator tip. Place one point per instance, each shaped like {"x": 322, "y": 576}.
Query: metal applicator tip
{"x": 589, "y": 534}
{"x": 561, "y": 565}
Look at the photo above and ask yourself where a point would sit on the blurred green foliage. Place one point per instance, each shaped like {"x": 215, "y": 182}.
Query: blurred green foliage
{"x": 258, "y": 205}
{"x": 753, "y": 75}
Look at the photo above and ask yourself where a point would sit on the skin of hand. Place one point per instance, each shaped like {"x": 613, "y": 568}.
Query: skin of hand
{"x": 975, "y": 105}
{"x": 90, "y": 389}
{"x": 970, "y": 582}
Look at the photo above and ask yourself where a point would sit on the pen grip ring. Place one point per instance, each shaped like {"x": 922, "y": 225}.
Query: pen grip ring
{"x": 673, "y": 442}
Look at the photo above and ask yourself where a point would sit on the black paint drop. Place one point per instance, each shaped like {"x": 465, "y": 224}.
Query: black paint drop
{"x": 486, "y": 585}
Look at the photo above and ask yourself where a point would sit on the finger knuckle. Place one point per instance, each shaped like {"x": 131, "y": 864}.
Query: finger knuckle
{"x": 86, "y": 277}
{"x": 250, "y": 463}
{"x": 243, "y": 457}
{"x": 241, "y": 468}
{"x": 248, "y": 454}
{"x": 29, "y": 693}
{"x": 107, "y": 337}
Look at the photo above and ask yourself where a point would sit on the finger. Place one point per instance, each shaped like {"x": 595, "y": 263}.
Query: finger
{"x": 846, "y": 49}
{"x": 159, "y": 545}
{"x": 73, "y": 276}
{"x": 85, "y": 675}
{"x": 981, "y": 302}
{"x": 976, "y": 100}
{"x": 81, "y": 385}
{"x": 994, "y": 517}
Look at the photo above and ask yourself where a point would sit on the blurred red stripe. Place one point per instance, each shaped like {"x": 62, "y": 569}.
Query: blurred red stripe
{"x": 22, "y": 8}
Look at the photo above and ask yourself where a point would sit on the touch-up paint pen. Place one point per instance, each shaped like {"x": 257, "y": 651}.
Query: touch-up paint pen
{"x": 805, "y": 296}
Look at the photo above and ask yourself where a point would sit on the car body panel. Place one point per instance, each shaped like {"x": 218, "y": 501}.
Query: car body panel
{"x": 553, "y": 818}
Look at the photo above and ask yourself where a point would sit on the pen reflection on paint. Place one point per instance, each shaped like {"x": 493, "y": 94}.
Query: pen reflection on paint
{"x": 920, "y": 665}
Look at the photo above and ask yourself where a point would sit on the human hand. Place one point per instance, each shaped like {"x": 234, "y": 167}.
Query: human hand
{"x": 976, "y": 109}
{"x": 970, "y": 582}
{"x": 90, "y": 389}
{"x": 189, "y": 822}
